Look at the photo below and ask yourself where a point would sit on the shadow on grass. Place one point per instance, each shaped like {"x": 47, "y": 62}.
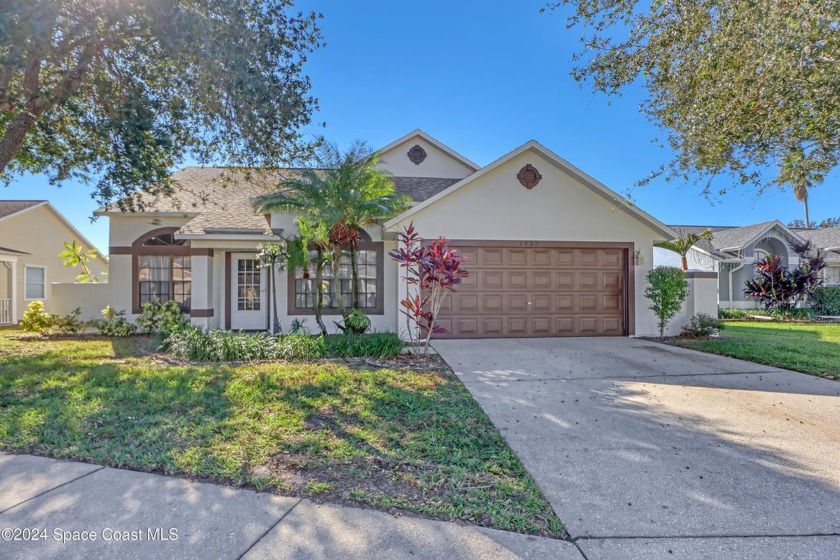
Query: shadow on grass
{"x": 389, "y": 439}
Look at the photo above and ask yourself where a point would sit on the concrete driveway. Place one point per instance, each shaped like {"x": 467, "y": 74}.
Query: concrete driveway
{"x": 649, "y": 451}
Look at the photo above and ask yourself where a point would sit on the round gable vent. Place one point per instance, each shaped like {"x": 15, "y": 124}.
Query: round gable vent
{"x": 529, "y": 176}
{"x": 417, "y": 154}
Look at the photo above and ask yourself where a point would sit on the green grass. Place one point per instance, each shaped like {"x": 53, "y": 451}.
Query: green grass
{"x": 390, "y": 439}
{"x": 810, "y": 348}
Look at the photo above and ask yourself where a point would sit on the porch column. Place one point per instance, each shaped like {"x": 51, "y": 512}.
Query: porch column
{"x": 14, "y": 304}
{"x": 202, "y": 310}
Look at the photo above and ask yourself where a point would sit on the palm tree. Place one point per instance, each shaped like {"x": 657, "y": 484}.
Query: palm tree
{"x": 800, "y": 191}
{"x": 683, "y": 244}
{"x": 341, "y": 194}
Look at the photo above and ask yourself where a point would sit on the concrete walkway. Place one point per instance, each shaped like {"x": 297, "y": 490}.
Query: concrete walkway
{"x": 651, "y": 451}
{"x": 113, "y": 513}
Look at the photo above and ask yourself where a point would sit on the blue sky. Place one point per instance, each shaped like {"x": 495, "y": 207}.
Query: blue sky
{"x": 483, "y": 78}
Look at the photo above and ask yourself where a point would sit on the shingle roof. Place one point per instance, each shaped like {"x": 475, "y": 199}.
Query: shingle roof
{"x": 9, "y": 207}
{"x": 824, "y": 238}
{"x": 725, "y": 237}
{"x": 421, "y": 188}
{"x": 222, "y": 197}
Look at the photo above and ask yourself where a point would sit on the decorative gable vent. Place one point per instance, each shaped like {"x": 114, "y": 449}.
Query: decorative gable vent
{"x": 529, "y": 176}
{"x": 417, "y": 154}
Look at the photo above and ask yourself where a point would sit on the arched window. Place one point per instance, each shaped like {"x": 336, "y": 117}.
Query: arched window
{"x": 162, "y": 269}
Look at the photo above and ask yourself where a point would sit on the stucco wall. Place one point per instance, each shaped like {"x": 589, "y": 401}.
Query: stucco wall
{"x": 702, "y": 298}
{"x": 90, "y": 298}
{"x": 437, "y": 163}
{"x": 560, "y": 208}
{"x": 41, "y": 233}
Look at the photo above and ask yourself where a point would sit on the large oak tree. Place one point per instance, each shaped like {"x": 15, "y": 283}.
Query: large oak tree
{"x": 119, "y": 91}
{"x": 748, "y": 89}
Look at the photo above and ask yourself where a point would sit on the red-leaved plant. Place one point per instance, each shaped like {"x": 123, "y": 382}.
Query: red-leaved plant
{"x": 435, "y": 269}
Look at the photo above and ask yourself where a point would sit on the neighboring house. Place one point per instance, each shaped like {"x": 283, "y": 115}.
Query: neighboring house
{"x": 32, "y": 234}
{"x": 550, "y": 250}
{"x": 734, "y": 251}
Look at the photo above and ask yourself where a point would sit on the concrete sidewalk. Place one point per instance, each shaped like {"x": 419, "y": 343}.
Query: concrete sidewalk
{"x": 77, "y": 510}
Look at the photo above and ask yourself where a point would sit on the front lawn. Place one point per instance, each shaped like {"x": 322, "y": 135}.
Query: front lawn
{"x": 385, "y": 437}
{"x": 810, "y": 348}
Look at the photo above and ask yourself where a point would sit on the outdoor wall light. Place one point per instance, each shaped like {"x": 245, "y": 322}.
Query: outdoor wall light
{"x": 639, "y": 258}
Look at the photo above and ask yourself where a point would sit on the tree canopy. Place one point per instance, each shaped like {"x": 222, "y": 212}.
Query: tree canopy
{"x": 742, "y": 88}
{"x": 825, "y": 223}
{"x": 119, "y": 91}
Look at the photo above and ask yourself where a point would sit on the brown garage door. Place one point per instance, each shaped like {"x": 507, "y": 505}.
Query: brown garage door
{"x": 532, "y": 289}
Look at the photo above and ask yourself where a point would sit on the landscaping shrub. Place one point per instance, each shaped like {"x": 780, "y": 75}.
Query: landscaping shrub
{"x": 738, "y": 314}
{"x": 69, "y": 324}
{"x": 702, "y": 325}
{"x": 375, "y": 345}
{"x": 35, "y": 319}
{"x": 667, "y": 289}
{"x": 113, "y": 323}
{"x": 794, "y": 314}
{"x": 161, "y": 318}
{"x": 194, "y": 343}
{"x": 827, "y": 300}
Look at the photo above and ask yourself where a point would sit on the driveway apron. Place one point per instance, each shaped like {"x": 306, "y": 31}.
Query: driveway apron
{"x": 640, "y": 446}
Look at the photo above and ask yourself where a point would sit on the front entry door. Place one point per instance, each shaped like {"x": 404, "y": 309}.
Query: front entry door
{"x": 249, "y": 288}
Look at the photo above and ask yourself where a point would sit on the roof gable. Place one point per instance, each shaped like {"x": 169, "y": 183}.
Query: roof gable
{"x": 564, "y": 166}
{"x": 736, "y": 239}
{"x": 434, "y": 159}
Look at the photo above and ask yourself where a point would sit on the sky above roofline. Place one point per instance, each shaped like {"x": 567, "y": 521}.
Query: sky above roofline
{"x": 482, "y": 89}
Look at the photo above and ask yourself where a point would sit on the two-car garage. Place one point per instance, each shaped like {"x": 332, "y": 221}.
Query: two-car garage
{"x": 539, "y": 289}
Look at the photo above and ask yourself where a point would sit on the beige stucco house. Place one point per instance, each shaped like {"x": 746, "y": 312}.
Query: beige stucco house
{"x": 32, "y": 234}
{"x": 551, "y": 251}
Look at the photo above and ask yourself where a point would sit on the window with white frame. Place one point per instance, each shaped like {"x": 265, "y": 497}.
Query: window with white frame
{"x": 34, "y": 279}
{"x": 831, "y": 275}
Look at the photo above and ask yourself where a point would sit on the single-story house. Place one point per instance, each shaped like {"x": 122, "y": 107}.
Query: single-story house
{"x": 732, "y": 252}
{"x": 32, "y": 234}
{"x": 550, "y": 250}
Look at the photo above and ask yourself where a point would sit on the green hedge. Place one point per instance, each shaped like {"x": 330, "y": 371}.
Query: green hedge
{"x": 797, "y": 314}
{"x": 193, "y": 343}
{"x": 827, "y": 300}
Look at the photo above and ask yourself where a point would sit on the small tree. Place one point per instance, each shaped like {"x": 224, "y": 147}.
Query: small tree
{"x": 683, "y": 244}
{"x": 273, "y": 256}
{"x": 666, "y": 289}
{"x": 435, "y": 269}
{"x": 75, "y": 256}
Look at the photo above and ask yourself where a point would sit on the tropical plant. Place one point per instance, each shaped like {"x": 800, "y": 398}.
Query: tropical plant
{"x": 741, "y": 88}
{"x": 432, "y": 270}
{"x": 75, "y": 256}
{"x": 36, "y": 319}
{"x": 683, "y": 244}
{"x": 195, "y": 343}
{"x": 355, "y": 322}
{"x": 666, "y": 290}
{"x": 827, "y": 300}
{"x": 273, "y": 256}
{"x": 336, "y": 198}
{"x": 121, "y": 91}
{"x": 352, "y": 345}
{"x": 776, "y": 287}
